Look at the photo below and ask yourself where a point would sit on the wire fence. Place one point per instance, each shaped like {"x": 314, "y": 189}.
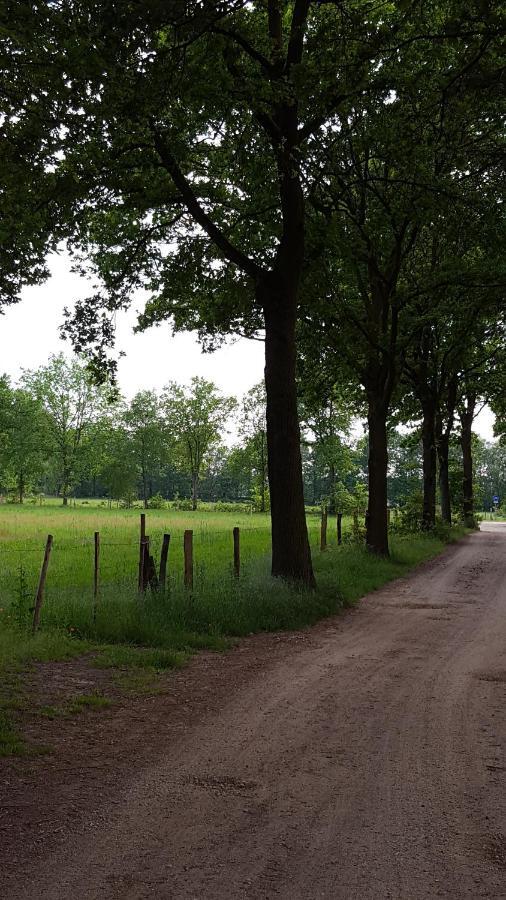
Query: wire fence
{"x": 92, "y": 566}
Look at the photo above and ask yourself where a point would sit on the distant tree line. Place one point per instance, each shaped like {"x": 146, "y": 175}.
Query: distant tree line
{"x": 61, "y": 434}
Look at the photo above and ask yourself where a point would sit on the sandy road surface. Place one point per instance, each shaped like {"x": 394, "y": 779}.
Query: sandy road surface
{"x": 366, "y": 764}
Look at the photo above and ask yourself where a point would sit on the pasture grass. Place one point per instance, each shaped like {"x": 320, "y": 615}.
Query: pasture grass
{"x": 142, "y": 636}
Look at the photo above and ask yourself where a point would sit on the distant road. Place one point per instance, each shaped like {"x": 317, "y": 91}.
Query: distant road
{"x": 362, "y": 760}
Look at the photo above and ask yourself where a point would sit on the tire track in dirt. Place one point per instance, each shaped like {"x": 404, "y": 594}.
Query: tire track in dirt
{"x": 364, "y": 763}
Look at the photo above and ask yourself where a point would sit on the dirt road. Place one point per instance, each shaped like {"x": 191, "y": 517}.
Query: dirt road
{"x": 366, "y": 762}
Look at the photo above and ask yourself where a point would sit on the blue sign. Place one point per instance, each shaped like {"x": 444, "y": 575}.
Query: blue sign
{"x": 495, "y": 499}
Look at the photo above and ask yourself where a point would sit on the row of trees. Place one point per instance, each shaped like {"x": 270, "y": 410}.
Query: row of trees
{"x": 62, "y": 434}
{"x": 326, "y": 174}
{"x": 59, "y": 428}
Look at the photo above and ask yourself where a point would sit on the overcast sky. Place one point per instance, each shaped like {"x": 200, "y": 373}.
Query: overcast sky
{"x": 29, "y": 334}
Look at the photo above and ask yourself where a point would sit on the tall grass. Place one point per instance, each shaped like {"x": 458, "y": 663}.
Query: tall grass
{"x": 219, "y": 607}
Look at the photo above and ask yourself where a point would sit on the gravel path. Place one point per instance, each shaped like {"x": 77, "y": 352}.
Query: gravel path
{"x": 365, "y": 763}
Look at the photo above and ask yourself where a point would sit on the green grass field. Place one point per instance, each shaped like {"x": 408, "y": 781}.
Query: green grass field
{"x": 23, "y": 531}
{"x": 220, "y": 605}
{"x": 153, "y": 632}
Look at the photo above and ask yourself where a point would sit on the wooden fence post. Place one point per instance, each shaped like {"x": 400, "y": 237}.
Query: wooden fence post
{"x": 237, "y": 552}
{"x": 140, "y": 581}
{"x": 339, "y": 528}
{"x": 42, "y": 581}
{"x": 188, "y": 560}
{"x": 323, "y": 530}
{"x": 149, "y": 577}
{"x": 162, "y": 578}
{"x": 96, "y": 574}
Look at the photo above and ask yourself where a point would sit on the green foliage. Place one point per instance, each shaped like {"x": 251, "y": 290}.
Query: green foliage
{"x": 157, "y": 502}
{"x": 411, "y": 513}
{"x": 254, "y": 455}
{"x": 344, "y": 500}
{"x": 72, "y": 404}
{"x": 195, "y": 417}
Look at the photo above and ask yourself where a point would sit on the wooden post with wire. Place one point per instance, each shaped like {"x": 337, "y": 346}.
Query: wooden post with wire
{"x": 96, "y": 574}
{"x": 162, "y": 577}
{"x": 237, "y": 552}
{"x": 339, "y": 528}
{"x": 149, "y": 577}
{"x": 188, "y": 560}
{"x": 323, "y": 530}
{"x": 140, "y": 581}
{"x": 42, "y": 582}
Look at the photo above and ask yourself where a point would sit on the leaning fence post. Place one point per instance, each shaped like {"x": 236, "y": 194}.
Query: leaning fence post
{"x": 237, "y": 552}
{"x": 42, "y": 581}
{"x": 339, "y": 528}
{"x": 96, "y": 574}
{"x": 323, "y": 531}
{"x": 140, "y": 580}
{"x": 162, "y": 578}
{"x": 145, "y": 563}
{"x": 188, "y": 559}
{"x": 149, "y": 571}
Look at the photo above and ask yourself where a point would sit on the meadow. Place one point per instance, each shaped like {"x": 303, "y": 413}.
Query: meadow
{"x": 138, "y": 636}
{"x": 220, "y": 606}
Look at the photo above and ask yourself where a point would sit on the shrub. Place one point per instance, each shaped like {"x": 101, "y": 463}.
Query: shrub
{"x": 157, "y": 502}
{"x": 183, "y": 503}
{"x": 411, "y": 513}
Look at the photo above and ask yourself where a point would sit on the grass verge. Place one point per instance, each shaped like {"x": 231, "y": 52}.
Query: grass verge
{"x": 140, "y": 638}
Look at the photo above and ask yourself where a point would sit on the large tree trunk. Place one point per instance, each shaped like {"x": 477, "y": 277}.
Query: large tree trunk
{"x": 65, "y": 490}
{"x": 443, "y": 445}
{"x": 444, "y": 425}
{"x": 429, "y": 463}
{"x": 466, "y": 442}
{"x": 291, "y": 556}
{"x": 377, "y": 516}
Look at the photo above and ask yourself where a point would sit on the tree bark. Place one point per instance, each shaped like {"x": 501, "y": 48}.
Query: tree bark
{"x": 466, "y": 442}
{"x": 194, "y": 491}
{"x": 443, "y": 445}
{"x": 429, "y": 463}
{"x": 377, "y": 518}
{"x": 291, "y": 555}
{"x": 443, "y": 432}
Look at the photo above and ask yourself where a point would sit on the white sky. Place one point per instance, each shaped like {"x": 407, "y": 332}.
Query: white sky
{"x": 29, "y": 334}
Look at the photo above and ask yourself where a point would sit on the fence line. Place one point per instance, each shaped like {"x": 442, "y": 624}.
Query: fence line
{"x": 148, "y": 577}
